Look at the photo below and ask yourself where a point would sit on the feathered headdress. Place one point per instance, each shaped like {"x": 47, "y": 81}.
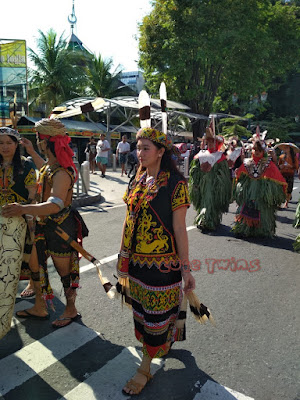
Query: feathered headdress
{"x": 155, "y": 135}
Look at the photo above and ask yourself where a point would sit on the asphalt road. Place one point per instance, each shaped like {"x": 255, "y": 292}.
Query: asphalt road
{"x": 252, "y": 353}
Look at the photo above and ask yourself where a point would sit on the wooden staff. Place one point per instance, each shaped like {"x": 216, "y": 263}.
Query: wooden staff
{"x": 108, "y": 287}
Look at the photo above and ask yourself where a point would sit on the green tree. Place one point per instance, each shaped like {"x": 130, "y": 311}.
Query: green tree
{"x": 202, "y": 48}
{"x": 58, "y": 73}
{"x": 102, "y": 81}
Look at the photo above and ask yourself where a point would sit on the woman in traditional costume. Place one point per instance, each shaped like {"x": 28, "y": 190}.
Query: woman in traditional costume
{"x": 17, "y": 184}
{"x": 153, "y": 258}
{"x": 259, "y": 189}
{"x": 210, "y": 184}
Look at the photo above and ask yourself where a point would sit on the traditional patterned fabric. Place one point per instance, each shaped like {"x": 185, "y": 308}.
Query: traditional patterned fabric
{"x": 149, "y": 240}
{"x": 155, "y": 136}
{"x": 12, "y": 237}
{"x": 48, "y": 243}
{"x": 17, "y": 192}
{"x": 259, "y": 189}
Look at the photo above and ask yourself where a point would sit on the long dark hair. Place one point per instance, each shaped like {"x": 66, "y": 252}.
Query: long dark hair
{"x": 17, "y": 163}
{"x": 168, "y": 163}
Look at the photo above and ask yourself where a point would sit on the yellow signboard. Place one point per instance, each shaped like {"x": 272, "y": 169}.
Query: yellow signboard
{"x": 13, "y": 54}
{"x": 115, "y": 135}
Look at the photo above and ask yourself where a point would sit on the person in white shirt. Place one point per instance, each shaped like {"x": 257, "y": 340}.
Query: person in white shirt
{"x": 123, "y": 149}
{"x": 102, "y": 147}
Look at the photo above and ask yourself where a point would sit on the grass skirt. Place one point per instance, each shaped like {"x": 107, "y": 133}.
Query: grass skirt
{"x": 210, "y": 193}
{"x": 261, "y": 198}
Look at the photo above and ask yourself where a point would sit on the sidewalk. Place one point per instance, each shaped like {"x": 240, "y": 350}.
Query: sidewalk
{"x": 103, "y": 190}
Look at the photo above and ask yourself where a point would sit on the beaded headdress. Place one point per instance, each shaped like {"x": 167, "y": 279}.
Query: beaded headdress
{"x": 10, "y": 132}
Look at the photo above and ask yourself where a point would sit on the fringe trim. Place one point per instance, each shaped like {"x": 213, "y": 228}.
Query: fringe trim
{"x": 123, "y": 290}
{"x": 200, "y": 312}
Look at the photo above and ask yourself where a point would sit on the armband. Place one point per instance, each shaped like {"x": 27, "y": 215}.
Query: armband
{"x": 57, "y": 201}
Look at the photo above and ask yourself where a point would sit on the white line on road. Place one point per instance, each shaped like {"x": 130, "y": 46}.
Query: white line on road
{"x": 108, "y": 381}
{"x": 214, "y": 391}
{"x": 113, "y": 257}
{"x": 17, "y": 368}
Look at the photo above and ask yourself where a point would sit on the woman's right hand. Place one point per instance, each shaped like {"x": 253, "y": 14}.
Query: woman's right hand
{"x": 28, "y": 145}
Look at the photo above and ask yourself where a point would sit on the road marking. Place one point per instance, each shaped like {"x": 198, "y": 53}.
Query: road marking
{"x": 22, "y": 305}
{"x": 114, "y": 257}
{"x": 103, "y": 261}
{"x": 108, "y": 381}
{"x": 214, "y": 391}
{"x": 17, "y": 368}
{"x": 189, "y": 228}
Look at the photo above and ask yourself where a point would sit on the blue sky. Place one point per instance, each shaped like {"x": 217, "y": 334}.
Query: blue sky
{"x": 105, "y": 27}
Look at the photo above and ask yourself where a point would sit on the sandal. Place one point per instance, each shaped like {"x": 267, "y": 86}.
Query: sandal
{"x": 136, "y": 387}
{"x": 28, "y": 315}
{"x": 68, "y": 320}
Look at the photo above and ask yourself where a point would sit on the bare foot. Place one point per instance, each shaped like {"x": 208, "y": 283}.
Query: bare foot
{"x": 28, "y": 291}
{"x": 34, "y": 311}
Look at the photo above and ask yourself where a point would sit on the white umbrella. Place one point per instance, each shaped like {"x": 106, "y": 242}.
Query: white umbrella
{"x": 282, "y": 146}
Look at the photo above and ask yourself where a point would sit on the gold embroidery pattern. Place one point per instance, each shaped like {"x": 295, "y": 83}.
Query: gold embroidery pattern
{"x": 155, "y": 299}
{"x": 150, "y": 239}
{"x": 180, "y": 197}
{"x": 30, "y": 179}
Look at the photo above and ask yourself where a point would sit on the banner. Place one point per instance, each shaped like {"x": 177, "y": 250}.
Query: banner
{"x": 13, "y": 54}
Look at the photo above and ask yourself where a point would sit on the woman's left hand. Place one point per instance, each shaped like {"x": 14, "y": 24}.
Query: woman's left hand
{"x": 189, "y": 282}
{"x": 12, "y": 210}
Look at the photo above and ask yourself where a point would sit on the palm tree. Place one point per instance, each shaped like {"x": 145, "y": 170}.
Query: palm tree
{"x": 102, "y": 82}
{"x": 59, "y": 72}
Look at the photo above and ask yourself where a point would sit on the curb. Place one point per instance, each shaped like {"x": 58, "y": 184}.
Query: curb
{"x": 86, "y": 200}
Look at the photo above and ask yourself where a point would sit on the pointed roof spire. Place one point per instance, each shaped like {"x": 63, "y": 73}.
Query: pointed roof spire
{"x": 72, "y": 18}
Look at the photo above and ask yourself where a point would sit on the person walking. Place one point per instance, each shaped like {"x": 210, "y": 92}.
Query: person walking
{"x": 210, "y": 184}
{"x": 102, "y": 148}
{"x": 55, "y": 189}
{"x": 17, "y": 184}
{"x": 153, "y": 257}
{"x": 123, "y": 148}
{"x": 288, "y": 164}
{"x": 91, "y": 151}
{"x": 259, "y": 189}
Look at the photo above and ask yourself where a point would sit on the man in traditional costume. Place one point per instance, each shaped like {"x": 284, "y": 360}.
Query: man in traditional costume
{"x": 55, "y": 189}
{"x": 210, "y": 184}
{"x": 259, "y": 189}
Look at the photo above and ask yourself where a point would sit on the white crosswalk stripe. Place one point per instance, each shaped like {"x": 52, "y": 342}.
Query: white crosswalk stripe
{"x": 100, "y": 385}
{"x": 34, "y": 358}
{"x": 43, "y": 359}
